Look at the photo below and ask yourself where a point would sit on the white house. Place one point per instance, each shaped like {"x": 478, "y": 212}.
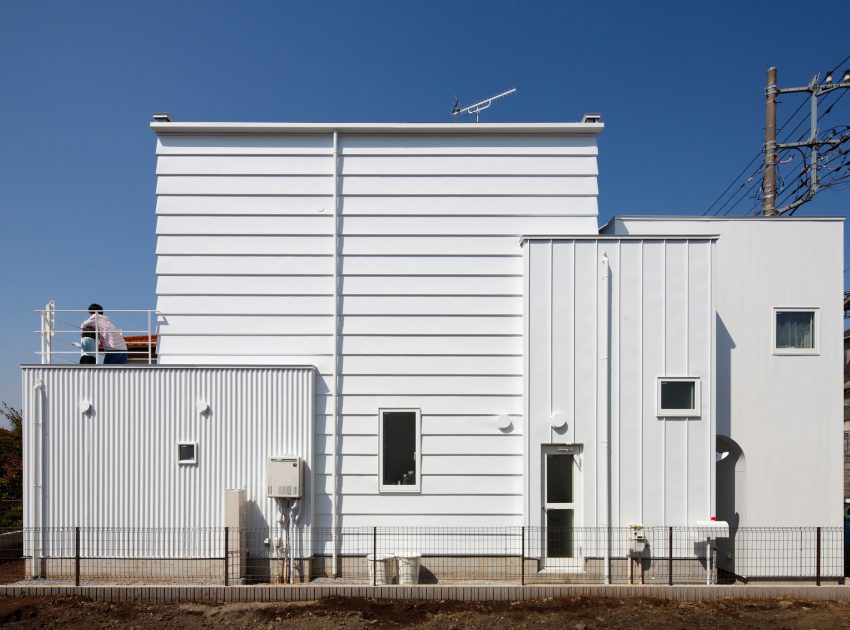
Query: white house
{"x": 430, "y": 317}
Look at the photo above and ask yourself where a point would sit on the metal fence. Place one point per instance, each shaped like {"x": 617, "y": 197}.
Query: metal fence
{"x": 422, "y": 555}
{"x": 61, "y": 341}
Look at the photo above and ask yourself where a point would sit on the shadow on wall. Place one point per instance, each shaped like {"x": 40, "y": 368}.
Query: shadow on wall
{"x": 723, "y": 378}
{"x": 731, "y": 495}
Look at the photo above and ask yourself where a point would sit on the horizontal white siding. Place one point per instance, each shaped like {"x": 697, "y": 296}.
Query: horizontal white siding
{"x": 444, "y": 205}
{"x": 430, "y": 290}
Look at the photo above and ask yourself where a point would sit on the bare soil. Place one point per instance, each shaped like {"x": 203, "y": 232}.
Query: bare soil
{"x": 582, "y": 613}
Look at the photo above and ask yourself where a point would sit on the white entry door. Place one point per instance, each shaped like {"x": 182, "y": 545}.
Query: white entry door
{"x": 560, "y": 505}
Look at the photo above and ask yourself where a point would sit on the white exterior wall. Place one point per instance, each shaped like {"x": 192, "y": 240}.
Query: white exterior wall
{"x": 785, "y": 412}
{"x": 662, "y": 324}
{"x": 117, "y": 467}
{"x": 431, "y": 285}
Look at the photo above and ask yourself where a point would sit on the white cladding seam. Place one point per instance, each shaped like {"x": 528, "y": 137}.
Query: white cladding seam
{"x": 430, "y": 290}
{"x": 651, "y": 301}
{"x": 793, "y": 404}
{"x": 117, "y": 466}
{"x": 335, "y": 377}
{"x": 603, "y": 412}
{"x": 36, "y": 441}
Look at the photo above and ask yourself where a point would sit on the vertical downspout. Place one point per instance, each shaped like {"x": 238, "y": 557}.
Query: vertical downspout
{"x": 604, "y": 406}
{"x": 335, "y": 376}
{"x": 35, "y": 457}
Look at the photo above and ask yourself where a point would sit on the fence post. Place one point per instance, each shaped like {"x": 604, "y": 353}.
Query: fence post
{"x": 670, "y": 557}
{"x": 374, "y": 556}
{"x": 522, "y": 559}
{"x": 226, "y": 556}
{"x": 76, "y": 556}
{"x": 817, "y": 559}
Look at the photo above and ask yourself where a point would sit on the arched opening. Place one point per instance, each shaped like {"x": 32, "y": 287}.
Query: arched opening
{"x": 731, "y": 500}
{"x": 731, "y": 483}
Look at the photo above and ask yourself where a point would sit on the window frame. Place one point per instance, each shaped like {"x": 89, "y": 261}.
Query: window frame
{"x": 187, "y": 462}
{"x": 813, "y": 351}
{"x": 693, "y": 412}
{"x": 396, "y": 489}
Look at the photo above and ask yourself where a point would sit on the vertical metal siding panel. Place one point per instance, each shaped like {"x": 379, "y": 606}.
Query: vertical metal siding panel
{"x": 699, "y": 364}
{"x": 586, "y": 370}
{"x": 652, "y": 366}
{"x": 539, "y": 269}
{"x": 676, "y": 325}
{"x": 118, "y": 468}
{"x": 612, "y": 249}
{"x": 630, "y": 384}
{"x": 562, "y": 379}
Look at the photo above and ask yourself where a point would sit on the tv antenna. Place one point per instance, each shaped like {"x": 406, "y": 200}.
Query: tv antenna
{"x": 478, "y": 107}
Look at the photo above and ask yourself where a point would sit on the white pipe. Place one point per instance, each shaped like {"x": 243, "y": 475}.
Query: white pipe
{"x": 36, "y": 412}
{"x": 335, "y": 377}
{"x": 604, "y": 407}
{"x": 289, "y": 541}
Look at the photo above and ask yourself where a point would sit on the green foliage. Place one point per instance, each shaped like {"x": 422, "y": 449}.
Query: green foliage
{"x": 11, "y": 468}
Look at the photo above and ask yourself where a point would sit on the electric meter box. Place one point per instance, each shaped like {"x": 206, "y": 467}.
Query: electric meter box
{"x": 285, "y": 477}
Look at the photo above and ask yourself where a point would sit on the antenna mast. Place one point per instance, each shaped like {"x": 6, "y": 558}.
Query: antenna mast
{"x": 480, "y": 106}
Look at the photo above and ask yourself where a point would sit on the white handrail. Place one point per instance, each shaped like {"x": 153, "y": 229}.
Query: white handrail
{"x": 69, "y": 334}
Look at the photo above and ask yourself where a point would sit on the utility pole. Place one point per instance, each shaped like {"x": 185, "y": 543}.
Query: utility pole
{"x": 816, "y": 89}
{"x": 770, "y": 146}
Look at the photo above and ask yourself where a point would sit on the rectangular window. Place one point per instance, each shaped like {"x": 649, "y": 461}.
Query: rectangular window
{"x": 795, "y": 330}
{"x": 187, "y": 453}
{"x": 678, "y": 396}
{"x": 399, "y": 437}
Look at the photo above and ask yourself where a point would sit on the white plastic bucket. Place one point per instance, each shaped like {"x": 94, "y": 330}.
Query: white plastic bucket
{"x": 381, "y": 568}
{"x": 408, "y": 568}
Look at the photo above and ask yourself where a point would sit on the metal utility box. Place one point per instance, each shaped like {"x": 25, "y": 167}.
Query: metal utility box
{"x": 285, "y": 477}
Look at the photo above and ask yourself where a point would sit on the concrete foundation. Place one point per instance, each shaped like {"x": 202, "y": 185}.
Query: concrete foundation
{"x": 169, "y": 594}
{"x": 433, "y": 570}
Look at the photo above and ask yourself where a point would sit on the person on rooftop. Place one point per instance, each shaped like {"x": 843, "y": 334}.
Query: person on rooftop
{"x": 114, "y": 346}
{"x": 88, "y": 346}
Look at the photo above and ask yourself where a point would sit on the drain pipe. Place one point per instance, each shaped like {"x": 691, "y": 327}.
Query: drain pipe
{"x": 335, "y": 377}
{"x": 604, "y": 324}
{"x": 37, "y": 411}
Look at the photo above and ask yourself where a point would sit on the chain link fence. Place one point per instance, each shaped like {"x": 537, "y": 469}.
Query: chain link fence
{"x": 421, "y": 555}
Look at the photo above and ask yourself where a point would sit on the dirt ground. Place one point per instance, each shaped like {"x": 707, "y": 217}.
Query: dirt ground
{"x": 583, "y": 613}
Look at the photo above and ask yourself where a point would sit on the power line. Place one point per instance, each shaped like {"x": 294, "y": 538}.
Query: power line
{"x": 755, "y": 158}
{"x": 742, "y": 191}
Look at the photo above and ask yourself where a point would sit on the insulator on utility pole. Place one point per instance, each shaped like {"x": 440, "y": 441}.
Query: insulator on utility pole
{"x": 769, "y": 182}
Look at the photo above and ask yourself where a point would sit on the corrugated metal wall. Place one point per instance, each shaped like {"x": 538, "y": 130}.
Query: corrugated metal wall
{"x": 117, "y": 466}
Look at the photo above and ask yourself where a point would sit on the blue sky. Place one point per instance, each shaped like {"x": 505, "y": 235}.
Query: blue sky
{"x": 680, "y": 87}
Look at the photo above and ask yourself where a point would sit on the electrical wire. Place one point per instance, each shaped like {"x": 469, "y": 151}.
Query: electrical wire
{"x": 737, "y": 196}
{"x": 756, "y": 157}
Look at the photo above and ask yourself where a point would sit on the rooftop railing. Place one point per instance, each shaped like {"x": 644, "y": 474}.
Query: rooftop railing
{"x": 62, "y": 341}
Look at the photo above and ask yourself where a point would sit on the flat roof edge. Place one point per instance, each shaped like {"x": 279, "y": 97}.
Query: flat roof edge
{"x": 619, "y": 237}
{"x": 164, "y": 366}
{"x": 686, "y": 217}
{"x": 245, "y": 128}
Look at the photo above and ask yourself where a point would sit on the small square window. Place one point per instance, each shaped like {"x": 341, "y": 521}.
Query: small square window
{"x": 795, "y": 331}
{"x": 187, "y": 453}
{"x": 398, "y": 446}
{"x": 679, "y": 396}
